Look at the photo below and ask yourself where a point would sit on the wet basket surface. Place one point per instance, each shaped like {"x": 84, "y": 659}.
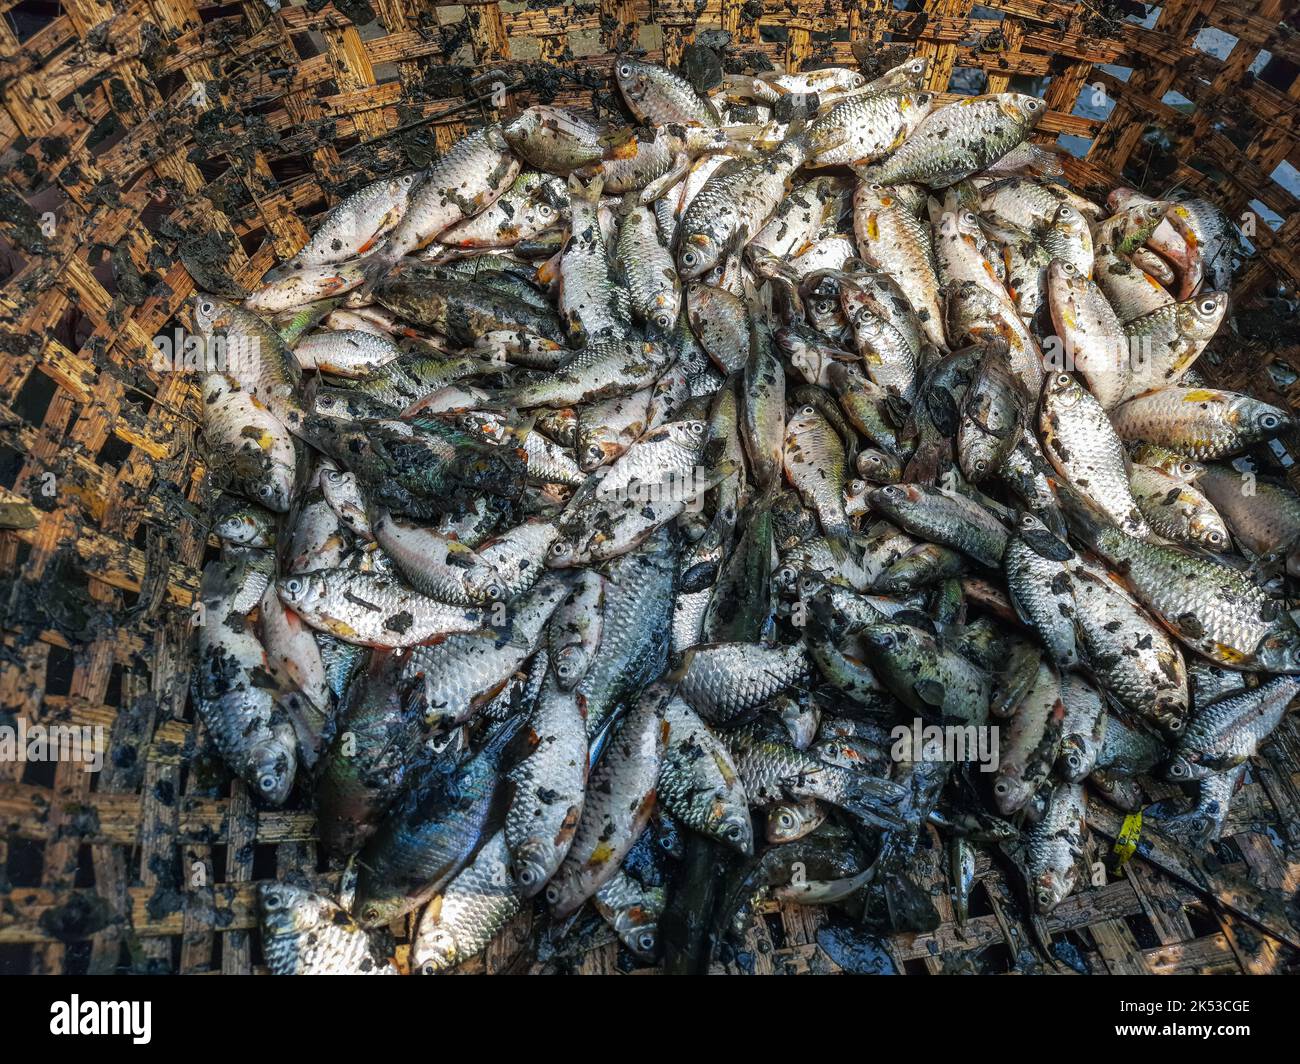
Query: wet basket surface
{"x": 154, "y": 147}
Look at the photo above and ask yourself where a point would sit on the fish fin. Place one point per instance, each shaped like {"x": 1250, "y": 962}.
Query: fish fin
{"x": 931, "y": 692}
{"x": 586, "y": 187}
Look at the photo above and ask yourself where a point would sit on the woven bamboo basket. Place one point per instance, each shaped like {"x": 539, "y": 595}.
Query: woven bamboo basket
{"x": 152, "y": 147}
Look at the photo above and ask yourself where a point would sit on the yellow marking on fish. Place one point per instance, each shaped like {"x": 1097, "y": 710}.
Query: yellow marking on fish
{"x": 1126, "y": 842}
{"x": 1200, "y": 395}
{"x": 602, "y": 853}
{"x": 1229, "y": 655}
{"x": 341, "y": 628}
{"x": 873, "y": 227}
{"x": 727, "y": 774}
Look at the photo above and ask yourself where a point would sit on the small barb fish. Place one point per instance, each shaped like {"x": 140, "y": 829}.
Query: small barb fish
{"x": 766, "y": 488}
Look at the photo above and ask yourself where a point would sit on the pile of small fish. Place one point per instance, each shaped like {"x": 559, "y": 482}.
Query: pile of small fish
{"x": 600, "y": 502}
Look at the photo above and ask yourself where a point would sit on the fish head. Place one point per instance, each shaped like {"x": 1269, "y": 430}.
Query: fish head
{"x": 286, "y": 909}
{"x": 664, "y": 315}
{"x": 594, "y": 453}
{"x": 1070, "y": 219}
{"x": 1011, "y": 794}
{"x": 236, "y": 527}
{"x": 629, "y": 74}
{"x": 1063, "y": 279}
{"x": 734, "y": 826}
{"x": 1052, "y": 887}
{"x": 562, "y": 553}
{"x": 1199, "y": 318}
{"x": 1208, "y": 530}
{"x": 1263, "y": 418}
{"x": 892, "y": 641}
{"x": 209, "y": 312}
{"x": 638, "y": 928}
{"x": 375, "y": 912}
{"x": 300, "y": 590}
{"x": 1075, "y": 757}
{"x": 1029, "y": 109}
{"x": 789, "y": 821}
{"x": 892, "y": 498}
{"x": 1062, "y": 390}
{"x": 877, "y": 467}
{"x": 699, "y": 253}
{"x": 856, "y": 497}
{"x": 1280, "y": 651}
{"x": 978, "y": 454}
{"x": 568, "y": 664}
{"x": 533, "y": 866}
{"x": 270, "y": 771}
{"x": 437, "y": 951}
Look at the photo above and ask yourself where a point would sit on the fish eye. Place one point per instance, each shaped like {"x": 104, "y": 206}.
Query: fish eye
{"x": 560, "y": 549}
{"x": 808, "y": 411}
{"x": 732, "y": 831}
{"x": 876, "y": 186}
{"x": 1064, "y": 379}
{"x": 1269, "y": 421}
{"x": 295, "y": 585}
{"x": 1001, "y": 787}
{"x": 266, "y": 491}
{"x": 1209, "y": 306}
{"x": 408, "y": 180}
{"x": 552, "y": 894}
{"x": 968, "y": 217}
{"x": 857, "y": 487}
{"x": 206, "y": 307}
{"x": 624, "y": 70}
{"x": 545, "y": 210}
{"x": 267, "y": 783}
{"x": 689, "y": 258}
{"x": 697, "y": 428}
{"x": 371, "y": 914}
{"x": 1186, "y": 468}
{"x": 664, "y": 320}
{"x": 646, "y": 941}
{"x": 981, "y": 465}
{"x": 1034, "y": 104}
{"x": 1027, "y": 521}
